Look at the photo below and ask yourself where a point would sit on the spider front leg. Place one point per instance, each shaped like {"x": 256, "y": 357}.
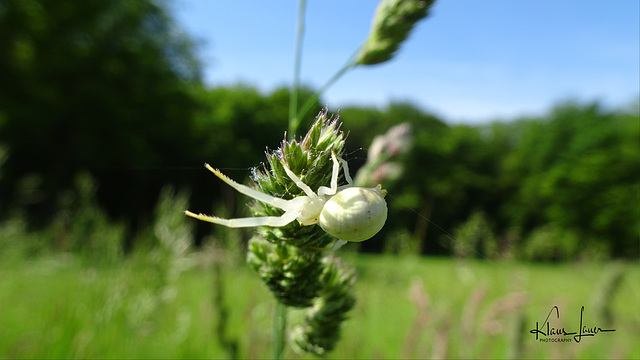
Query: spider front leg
{"x": 291, "y": 207}
{"x": 262, "y": 197}
{"x": 296, "y": 180}
{"x": 323, "y": 190}
{"x": 345, "y": 167}
{"x": 275, "y": 221}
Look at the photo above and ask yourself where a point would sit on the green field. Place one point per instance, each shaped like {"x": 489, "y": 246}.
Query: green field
{"x": 61, "y": 307}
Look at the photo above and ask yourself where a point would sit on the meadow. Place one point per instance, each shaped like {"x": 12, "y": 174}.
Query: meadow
{"x": 208, "y": 304}
{"x": 105, "y": 110}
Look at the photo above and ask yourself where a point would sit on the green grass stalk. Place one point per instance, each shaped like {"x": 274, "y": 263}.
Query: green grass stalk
{"x": 279, "y": 330}
{"x": 280, "y": 314}
{"x": 294, "y": 119}
{"x": 312, "y": 100}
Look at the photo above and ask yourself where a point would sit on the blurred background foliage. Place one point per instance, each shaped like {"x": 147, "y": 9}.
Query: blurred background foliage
{"x": 102, "y": 107}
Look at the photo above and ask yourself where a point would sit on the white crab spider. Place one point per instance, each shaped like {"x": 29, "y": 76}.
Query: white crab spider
{"x": 347, "y": 212}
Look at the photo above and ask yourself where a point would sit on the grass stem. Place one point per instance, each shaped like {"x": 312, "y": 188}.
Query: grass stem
{"x": 279, "y": 327}
{"x": 293, "y": 94}
{"x": 312, "y": 100}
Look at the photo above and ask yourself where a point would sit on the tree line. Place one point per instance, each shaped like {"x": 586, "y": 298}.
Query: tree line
{"x": 113, "y": 89}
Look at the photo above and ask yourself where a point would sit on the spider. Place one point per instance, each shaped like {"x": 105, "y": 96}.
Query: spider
{"x": 347, "y": 212}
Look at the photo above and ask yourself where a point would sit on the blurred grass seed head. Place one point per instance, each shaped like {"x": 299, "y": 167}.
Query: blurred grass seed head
{"x": 392, "y": 23}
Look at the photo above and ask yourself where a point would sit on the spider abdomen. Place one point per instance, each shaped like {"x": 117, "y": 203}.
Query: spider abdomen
{"x": 354, "y": 214}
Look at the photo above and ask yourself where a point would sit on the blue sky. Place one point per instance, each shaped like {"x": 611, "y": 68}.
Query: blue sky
{"x": 470, "y": 61}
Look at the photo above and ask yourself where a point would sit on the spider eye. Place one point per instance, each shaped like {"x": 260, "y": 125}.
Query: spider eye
{"x": 354, "y": 214}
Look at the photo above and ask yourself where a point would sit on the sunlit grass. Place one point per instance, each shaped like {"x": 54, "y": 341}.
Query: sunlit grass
{"x": 58, "y": 307}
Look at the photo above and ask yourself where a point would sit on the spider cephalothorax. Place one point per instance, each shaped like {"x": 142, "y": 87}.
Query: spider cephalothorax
{"x": 346, "y": 212}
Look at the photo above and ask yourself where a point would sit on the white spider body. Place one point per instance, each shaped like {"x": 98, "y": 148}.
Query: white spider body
{"x": 347, "y": 212}
{"x": 309, "y": 212}
{"x": 354, "y": 214}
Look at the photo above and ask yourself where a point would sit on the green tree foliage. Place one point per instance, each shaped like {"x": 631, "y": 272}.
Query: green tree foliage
{"x": 579, "y": 169}
{"x": 103, "y": 86}
{"x": 566, "y": 182}
{"x": 111, "y": 88}
{"x": 448, "y": 169}
{"x": 239, "y": 122}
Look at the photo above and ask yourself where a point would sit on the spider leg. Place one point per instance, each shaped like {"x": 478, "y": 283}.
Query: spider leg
{"x": 307, "y": 190}
{"x": 338, "y": 244}
{"x": 267, "y": 199}
{"x": 334, "y": 173}
{"x": 323, "y": 190}
{"x": 345, "y": 167}
{"x": 275, "y": 221}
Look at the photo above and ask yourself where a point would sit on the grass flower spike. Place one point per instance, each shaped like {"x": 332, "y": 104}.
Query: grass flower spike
{"x": 383, "y": 158}
{"x": 393, "y": 21}
{"x": 297, "y": 190}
